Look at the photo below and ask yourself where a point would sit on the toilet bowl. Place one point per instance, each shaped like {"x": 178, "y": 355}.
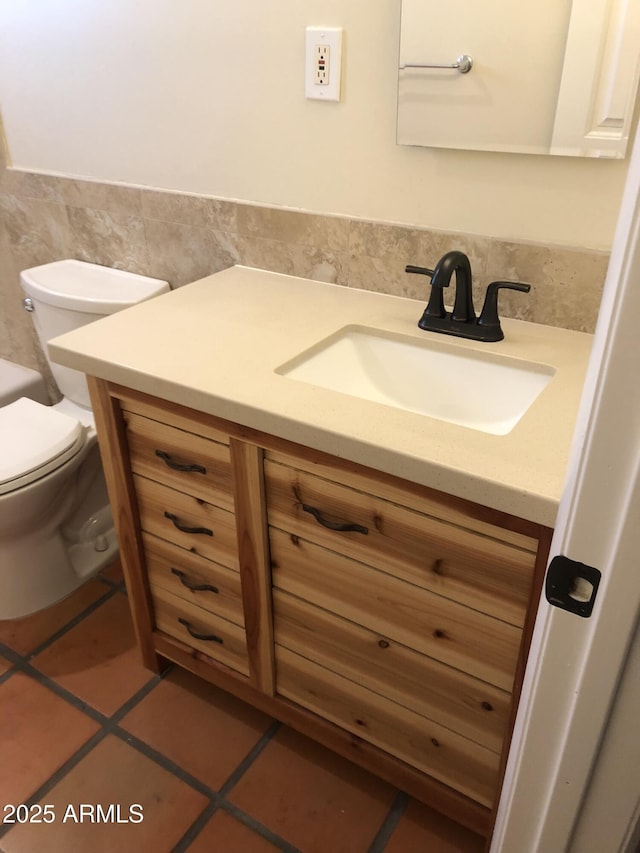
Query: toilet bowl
{"x": 56, "y": 527}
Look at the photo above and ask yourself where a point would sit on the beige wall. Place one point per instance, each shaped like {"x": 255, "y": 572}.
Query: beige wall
{"x": 208, "y": 98}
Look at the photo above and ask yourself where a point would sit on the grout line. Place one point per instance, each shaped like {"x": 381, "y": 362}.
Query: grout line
{"x": 11, "y": 655}
{"x": 196, "y": 827}
{"x": 91, "y": 608}
{"x": 25, "y": 667}
{"x": 14, "y": 659}
{"x": 259, "y": 828}
{"x": 389, "y": 823}
{"x": 219, "y": 802}
{"x": 167, "y": 764}
{"x": 216, "y": 798}
{"x": 248, "y": 760}
{"x": 61, "y": 772}
{"x": 28, "y": 669}
{"x": 5, "y": 677}
{"x": 163, "y": 761}
{"x": 109, "y": 582}
{"x": 108, "y": 725}
{"x": 17, "y": 657}
{"x": 137, "y": 697}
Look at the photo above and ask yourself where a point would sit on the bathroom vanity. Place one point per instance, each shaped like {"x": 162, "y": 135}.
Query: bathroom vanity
{"x": 365, "y": 573}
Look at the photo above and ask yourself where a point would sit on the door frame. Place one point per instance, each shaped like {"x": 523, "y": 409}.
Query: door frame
{"x": 575, "y": 663}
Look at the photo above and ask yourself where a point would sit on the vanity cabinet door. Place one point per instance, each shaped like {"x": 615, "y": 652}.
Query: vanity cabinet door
{"x": 403, "y": 626}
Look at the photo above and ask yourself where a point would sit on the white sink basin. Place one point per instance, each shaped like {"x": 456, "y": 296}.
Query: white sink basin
{"x": 479, "y": 390}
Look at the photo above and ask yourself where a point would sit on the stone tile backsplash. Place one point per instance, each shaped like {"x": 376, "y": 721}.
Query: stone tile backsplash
{"x": 183, "y": 237}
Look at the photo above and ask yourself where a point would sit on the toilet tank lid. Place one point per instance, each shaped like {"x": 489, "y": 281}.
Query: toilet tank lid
{"x": 94, "y": 289}
{"x": 32, "y": 436}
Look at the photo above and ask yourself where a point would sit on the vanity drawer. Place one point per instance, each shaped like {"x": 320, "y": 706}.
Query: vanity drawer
{"x": 476, "y": 569}
{"x": 188, "y": 522}
{"x": 445, "y": 695}
{"x": 201, "y": 630}
{"x": 179, "y": 459}
{"x": 445, "y": 630}
{"x": 198, "y": 581}
{"x": 460, "y": 763}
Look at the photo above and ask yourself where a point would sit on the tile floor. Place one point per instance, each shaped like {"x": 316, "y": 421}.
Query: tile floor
{"x": 174, "y": 763}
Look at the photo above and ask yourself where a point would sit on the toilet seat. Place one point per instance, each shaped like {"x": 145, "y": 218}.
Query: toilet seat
{"x": 36, "y": 440}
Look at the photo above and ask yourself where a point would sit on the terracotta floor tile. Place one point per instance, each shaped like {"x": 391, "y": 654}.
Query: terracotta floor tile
{"x": 225, "y": 834}
{"x": 203, "y": 729}
{"x": 420, "y": 828}
{"x": 113, "y": 774}
{"x": 38, "y": 733}
{"x": 113, "y": 572}
{"x": 98, "y": 660}
{"x": 26, "y": 634}
{"x": 313, "y": 798}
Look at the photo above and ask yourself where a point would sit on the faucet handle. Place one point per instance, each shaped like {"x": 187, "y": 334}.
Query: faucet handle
{"x": 489, "y": 314}
{"x": 419, "y": 270}
{"x": 435, "y": 306}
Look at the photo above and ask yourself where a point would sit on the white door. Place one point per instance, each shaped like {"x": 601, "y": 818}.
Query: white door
{"x": 576, "y": 664}
{"x": 610, "y": 815}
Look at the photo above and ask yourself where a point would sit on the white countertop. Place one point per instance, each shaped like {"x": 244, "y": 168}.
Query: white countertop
{"x": 214, "y": 345}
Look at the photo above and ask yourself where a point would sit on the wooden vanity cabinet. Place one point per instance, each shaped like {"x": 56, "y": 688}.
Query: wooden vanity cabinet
{"x": 387, "y": 620}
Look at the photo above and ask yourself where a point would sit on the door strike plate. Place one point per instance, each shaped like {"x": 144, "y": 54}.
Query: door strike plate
{"x": 572, "y": 586}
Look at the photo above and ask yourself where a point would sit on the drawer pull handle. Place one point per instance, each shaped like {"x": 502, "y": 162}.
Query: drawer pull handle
{"x": 178, "y": 466}
{"x": 184, "y": 528}
{"x": 334, "y": 525}
{"x": 214, "y": 638}
{"x": 194, "y": 587}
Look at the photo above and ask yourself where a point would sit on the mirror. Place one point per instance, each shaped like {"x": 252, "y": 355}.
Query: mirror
{"x": 550, "y": 77}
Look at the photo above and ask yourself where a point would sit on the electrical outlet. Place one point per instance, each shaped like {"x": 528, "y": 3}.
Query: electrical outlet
{"x": 323, "y": 63}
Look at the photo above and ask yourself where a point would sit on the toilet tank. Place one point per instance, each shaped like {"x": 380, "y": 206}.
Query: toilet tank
{"x": 65, "y": 295}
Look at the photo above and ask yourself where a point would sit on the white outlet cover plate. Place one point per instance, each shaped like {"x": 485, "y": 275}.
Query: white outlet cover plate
{"x": 332, "y": 37}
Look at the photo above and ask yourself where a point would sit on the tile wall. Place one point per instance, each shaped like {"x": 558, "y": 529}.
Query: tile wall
{"x": 183, "y": 237}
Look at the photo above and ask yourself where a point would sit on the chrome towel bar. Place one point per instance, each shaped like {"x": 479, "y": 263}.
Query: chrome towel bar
{"x": 463, "y": 64}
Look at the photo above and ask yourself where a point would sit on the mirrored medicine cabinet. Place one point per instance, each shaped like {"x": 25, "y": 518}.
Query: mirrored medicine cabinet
{"x": 543, "y": 77}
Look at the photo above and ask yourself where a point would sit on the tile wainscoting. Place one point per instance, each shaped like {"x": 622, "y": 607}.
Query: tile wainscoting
{"x": 182, "y": 238}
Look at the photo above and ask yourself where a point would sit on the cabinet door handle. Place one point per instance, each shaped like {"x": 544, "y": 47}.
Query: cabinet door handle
{"x": 179, "y": 466}
{"x": 214, "y": 638}
{"x": 334, "y": 525}
{"x": 184, "y": 528}
{"x": 194, "y": 587}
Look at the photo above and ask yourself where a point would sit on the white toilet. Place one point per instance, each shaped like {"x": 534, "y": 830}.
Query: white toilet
{"x": 56, "y": 528}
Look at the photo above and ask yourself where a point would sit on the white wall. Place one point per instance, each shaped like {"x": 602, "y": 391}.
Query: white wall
{"x": 206, "y": 96}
